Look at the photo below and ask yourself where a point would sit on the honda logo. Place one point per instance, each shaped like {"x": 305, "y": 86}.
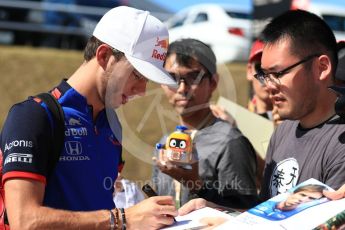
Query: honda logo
{"x": 73, "y": 147}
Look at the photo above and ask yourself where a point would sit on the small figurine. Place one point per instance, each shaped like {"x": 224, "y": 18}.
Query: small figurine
{"x": 178, "y": 147}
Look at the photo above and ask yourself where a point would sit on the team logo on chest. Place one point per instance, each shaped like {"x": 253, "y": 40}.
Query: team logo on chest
{"x": 74, "y": 150}
{"x": 74, "y": 128}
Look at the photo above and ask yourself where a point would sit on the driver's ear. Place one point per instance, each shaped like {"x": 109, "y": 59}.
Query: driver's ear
{"x": 103, "y": 53}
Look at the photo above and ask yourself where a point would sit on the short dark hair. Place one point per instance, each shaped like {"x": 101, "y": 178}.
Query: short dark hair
{"x": 188, "y": 50}
{"x": 308, "y": 33}
{"x": 311, "y": 188}
{"x": 91, "y": 48}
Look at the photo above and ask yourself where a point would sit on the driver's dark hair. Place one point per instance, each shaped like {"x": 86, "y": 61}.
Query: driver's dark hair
{"x": 91, "y": 48}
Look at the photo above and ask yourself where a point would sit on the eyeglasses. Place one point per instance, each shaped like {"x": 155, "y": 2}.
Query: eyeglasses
{"x": 191, "y": 78}
{"x": 275, "y": 76}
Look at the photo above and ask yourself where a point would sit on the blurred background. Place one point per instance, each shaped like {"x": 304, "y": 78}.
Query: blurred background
{"x": 41, "y": 42}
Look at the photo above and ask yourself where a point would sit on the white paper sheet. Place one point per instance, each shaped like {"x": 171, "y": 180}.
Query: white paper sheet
{"x": 308, "y": 218}
{"x": 191, "y": 221}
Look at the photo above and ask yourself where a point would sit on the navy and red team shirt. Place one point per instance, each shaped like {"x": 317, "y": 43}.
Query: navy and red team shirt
{"x": 88, "y": 166}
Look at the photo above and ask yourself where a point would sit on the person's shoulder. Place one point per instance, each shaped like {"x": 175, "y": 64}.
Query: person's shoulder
{"x": 222, "y": 129}
{"x": 28, "y": 107}
{"x": 26, "y": 113}
{"x": 219, "y": 126}
{"x": 336, "y": 122}
{"x": 286, "y": 125}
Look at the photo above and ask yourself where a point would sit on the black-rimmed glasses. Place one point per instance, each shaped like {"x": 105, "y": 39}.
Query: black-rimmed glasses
{"x": 274, "y": 76}
{"x": 191, "y": 78}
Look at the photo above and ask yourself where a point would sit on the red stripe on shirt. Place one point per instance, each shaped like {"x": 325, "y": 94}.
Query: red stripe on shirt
{"x": 56, "y": 93}
{"x": 26, "y": 175}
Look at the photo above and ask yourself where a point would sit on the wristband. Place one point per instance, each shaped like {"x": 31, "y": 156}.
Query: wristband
{"x": 112, "y": 220}
{"x": 123, "y": 215}
{"x": 117, "y": 218}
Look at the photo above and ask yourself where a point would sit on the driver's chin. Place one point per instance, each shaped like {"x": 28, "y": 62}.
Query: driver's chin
{"x": 113, "y": 103}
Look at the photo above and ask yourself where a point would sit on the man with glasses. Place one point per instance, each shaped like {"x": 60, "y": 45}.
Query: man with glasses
{"x": 298, "y": 65}
{"x": 225, "y": 172}
{"x": 127, "y": 48}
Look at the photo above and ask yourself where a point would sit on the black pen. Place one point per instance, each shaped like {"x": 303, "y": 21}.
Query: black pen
{"x": 148, "y": 190}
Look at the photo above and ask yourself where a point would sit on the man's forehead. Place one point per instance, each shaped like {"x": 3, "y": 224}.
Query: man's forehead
{"x": 193, "y": 65}
{"x": 275, "y": 54}
{"x": 276, "y": 48}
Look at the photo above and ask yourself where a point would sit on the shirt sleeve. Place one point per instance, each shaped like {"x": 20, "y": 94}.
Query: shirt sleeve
{"x": 334, "y": 175}
{"x": 26, "y": 140}
{"x": 236, "y": 169}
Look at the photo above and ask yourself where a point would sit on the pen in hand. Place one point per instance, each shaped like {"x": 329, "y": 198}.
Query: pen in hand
{"x": 148, "y": 190}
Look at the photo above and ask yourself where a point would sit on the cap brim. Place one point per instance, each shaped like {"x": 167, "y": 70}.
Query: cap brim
{"x": 256, "y": 56}
{"x": 338, "y": 89}
{"x": 158, "y": 75}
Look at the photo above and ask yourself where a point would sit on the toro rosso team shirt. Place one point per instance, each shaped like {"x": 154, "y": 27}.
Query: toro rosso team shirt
{"x": 84, "y": 176}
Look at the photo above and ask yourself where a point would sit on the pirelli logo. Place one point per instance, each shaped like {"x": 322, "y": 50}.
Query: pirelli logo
{"x": 18, "y": 157}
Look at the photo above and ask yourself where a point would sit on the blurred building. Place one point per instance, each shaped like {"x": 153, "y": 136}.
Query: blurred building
{"x": 62, "y": 24}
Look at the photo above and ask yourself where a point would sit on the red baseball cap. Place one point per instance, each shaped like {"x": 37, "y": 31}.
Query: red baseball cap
{"x": 256, "y": 51}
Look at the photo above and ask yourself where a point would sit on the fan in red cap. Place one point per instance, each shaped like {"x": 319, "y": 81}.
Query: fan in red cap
{"x": 260, "y": 102}
{"x": 256, "y": 51}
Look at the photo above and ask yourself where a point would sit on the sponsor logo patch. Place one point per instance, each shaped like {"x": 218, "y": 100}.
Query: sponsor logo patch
{"x": 73, "y": 148}
{"x": 158, "y": 56}
{"x": 162, "y": 43}
{"x": 19, "y": 157}
{"x": 76, "y": 132}
{"x": 18, "y": 143}
{"x": 73, "y": 121}
{"x": 159, "y": 52}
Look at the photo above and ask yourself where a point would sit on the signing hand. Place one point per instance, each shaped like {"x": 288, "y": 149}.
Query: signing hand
{"x": 152, "y": 213}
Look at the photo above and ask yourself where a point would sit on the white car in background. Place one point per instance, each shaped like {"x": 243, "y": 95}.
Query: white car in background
{"x": 334, "y": 15}
{"x": 225, "y": 28}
